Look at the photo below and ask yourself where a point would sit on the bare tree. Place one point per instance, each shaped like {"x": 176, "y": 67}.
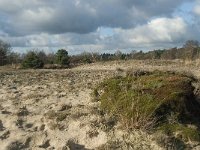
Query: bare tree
{"x": 191, "y": 44}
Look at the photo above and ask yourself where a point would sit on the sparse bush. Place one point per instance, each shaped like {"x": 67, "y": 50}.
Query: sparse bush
{"x": 32, "y": 60}
{"x": 87, "y": 60}
{"x": 191, "y": 44}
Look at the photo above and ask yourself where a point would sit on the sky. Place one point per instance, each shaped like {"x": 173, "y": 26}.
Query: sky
{"x": 98, "y": 25}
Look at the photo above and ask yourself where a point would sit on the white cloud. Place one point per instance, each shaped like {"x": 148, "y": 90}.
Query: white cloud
{"x": 157, "y": 33}
{"x": 75, "y": 24}
{"x": 39, "y": 15}
{"x": 62, "y": 16}
{"x": 159, "y": 30}
{"x": 197, "y": 9}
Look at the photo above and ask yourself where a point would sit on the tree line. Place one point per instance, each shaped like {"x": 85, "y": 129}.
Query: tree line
{"x": 61, "y": 59}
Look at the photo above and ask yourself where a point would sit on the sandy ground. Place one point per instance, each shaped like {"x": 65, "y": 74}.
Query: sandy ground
{"x": 53, "y": 109}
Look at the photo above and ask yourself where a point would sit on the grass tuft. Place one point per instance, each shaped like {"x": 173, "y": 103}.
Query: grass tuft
{"x": 149, "y": 101}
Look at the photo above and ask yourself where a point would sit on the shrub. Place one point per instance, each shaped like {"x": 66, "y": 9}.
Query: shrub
{"x": 32, "y": 60}
{"x": 5, "y": 49}
{"x": 150, "y": 100}
{"x": 62, "y": 57}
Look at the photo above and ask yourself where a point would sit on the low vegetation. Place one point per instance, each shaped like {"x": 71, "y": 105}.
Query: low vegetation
{"x": 31, "y": 60}
{"x": 61, "y": 59}
{"x": 152, "y": 101}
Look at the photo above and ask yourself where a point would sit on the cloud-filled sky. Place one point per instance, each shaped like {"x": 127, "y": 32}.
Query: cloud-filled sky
{"x": 98, "y": 25}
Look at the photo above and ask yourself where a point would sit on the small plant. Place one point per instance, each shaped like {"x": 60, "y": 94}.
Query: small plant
{"x": 92, "y": 133}
{"x": 50, "y": 114}
{"x": 95, "y": 95}
{"x": 119, "y": 69}
{"x": 61, "y": 116}
{"x": 23, "y": 111}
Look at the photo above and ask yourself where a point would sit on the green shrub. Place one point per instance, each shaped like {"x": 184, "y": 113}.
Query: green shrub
{"x": 62, "y": 57}
{"x": 147, "y": 101}
{"x": 32, "y": 60}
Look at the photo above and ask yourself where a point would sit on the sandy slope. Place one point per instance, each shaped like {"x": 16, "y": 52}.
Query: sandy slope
{"x": 52, "y": 109}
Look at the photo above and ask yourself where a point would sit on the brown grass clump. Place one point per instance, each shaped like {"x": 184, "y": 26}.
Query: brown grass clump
{"x": 59, "y": 116}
